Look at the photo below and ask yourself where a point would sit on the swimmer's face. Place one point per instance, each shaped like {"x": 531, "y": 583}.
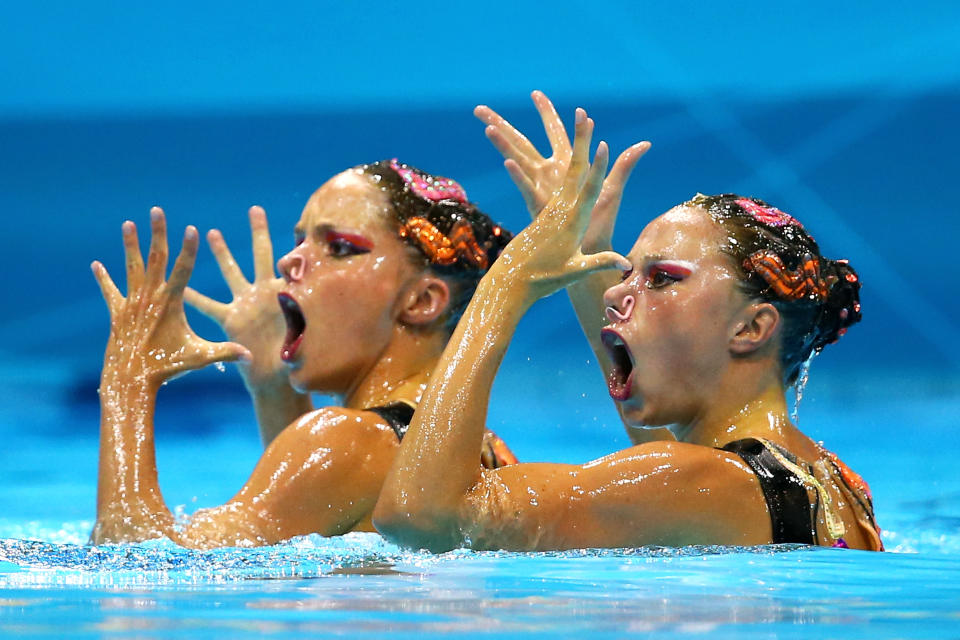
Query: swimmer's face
{"x": 671, "y": 320}
{"x": 345, "y": 279}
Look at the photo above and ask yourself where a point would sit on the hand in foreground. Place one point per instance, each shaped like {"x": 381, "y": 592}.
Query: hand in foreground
{"x": 253, "y": 318}
{"x": 547, "y": 255}
{"x": 539, "y": 179}
{"x": 149, "y": 334}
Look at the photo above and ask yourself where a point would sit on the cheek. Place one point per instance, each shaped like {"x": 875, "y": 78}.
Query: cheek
{"x": 369, "y": 296}
{"x": 681, "y": 329}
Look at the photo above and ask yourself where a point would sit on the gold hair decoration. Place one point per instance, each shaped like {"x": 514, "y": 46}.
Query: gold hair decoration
{"x": 444, "y": 250}
{"x": 805, "y": 282}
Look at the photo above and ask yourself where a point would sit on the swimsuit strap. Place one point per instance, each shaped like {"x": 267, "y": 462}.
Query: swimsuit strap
{"x": 783, "y": 489}
{"x": 494, "y": 452}
{"x": 396, "y": 414}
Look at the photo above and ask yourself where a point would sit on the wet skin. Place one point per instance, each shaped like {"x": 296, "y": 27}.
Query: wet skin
{"x": 368, "y": 311}
{"x": 685, "y": 310}
{"x": 538, "y": 178}
{"x": 706, "y": 364}
{"x": 352, "y": 278}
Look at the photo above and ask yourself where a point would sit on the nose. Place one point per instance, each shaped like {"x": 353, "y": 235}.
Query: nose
{"x": 292, "y": 266}
{"x": 619, "y": 303}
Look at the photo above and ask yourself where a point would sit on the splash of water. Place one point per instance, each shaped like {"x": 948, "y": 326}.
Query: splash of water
{"x": 798, "y": 388}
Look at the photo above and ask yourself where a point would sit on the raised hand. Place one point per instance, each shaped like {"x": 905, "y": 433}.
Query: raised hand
{"x": 253, "y": 317}
{"x": 548, "y": 254}
{"x": 539, "y": 178}
{"x": 149, "y": 335}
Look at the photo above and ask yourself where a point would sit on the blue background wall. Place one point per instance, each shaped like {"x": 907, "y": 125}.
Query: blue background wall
{"x": 845, "y": 116}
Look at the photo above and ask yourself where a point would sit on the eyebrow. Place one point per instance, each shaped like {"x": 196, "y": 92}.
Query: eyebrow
{"x": 355, "y": 239}
{"x": 673, "y": 267}
{"x": 324, "y": 229}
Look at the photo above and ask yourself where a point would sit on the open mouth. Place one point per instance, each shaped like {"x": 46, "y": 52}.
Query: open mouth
{"x": 295, "y": 326}
{"x": 621, "y": 371}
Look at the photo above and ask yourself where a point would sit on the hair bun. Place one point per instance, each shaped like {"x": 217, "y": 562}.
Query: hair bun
{"x": 841, "y": 309}
{"x": 436, "y": 217}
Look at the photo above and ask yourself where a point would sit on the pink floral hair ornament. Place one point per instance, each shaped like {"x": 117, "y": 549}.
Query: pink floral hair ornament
{"x": 770, "y": 216}
{"x": 433, "y": 188}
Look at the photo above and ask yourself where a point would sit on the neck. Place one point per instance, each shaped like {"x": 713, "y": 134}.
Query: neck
{"x": 749, "y": 407}
{"x": 401, "y": 372}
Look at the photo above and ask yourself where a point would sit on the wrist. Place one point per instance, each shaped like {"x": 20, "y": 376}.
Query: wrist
{"x": 268, "y": 384}
{"x": 505, "y": 288}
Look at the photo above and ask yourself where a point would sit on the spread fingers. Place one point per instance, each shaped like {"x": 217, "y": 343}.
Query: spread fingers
{"x": 262, "y": 246}
{"x": 228, "y": 266}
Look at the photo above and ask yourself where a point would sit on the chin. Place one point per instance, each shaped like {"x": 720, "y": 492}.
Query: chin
{"x": 299, "y": 386}
{"x": 639, "y": 416}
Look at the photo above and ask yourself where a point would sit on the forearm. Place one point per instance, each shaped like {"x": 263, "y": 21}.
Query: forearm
{"x": 586, "y": 296}
{"x": 277, "y": 405}
{"x": 423, "y": 498}
{"x": 129, "y": 503}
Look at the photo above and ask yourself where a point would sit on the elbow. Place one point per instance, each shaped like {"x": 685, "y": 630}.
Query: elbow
{"x": 415, "y": 528}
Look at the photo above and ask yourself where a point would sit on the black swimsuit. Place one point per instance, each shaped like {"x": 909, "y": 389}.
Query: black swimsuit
{"x": 396, "y": 414}
{"x": 494, "y": 452}
{"x": 791, "y": 513}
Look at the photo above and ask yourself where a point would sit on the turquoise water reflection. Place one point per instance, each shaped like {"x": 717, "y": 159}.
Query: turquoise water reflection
{"x": 900, "y": 432}
{"x": 361, "y": 585}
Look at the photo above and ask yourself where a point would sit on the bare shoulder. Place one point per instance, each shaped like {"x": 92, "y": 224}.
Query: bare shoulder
{"x": 667, "y": 493}
{"x": 685, "y": 459}
{"x": 321, "y": 474}
{"x": 341, "y": 426}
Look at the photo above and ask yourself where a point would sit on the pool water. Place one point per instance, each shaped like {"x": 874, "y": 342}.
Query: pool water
{"x": 900, "y": 435}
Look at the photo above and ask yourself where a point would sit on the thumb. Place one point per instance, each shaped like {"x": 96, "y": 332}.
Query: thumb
{"x": 210, "y": 352}
{"x": 583, "y": 265}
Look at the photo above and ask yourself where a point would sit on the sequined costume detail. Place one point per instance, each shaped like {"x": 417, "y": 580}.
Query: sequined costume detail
{"x": 766, "y": 214}
{"x": 433, "y": 188}
{"x": 787, "y": 485}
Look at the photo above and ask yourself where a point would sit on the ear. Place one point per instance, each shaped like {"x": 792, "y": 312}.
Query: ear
{"x": 425, "y": 300}
{"x": 755, "y": 328}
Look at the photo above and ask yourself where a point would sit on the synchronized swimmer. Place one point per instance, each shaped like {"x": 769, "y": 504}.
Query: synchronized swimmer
{"x": 401, "y": 298}
{"x": 369, "y": 296}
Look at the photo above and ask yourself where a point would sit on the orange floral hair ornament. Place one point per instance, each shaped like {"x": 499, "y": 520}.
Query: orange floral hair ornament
{"x": 804, "y": 282}
{"x": 446, "y": 250}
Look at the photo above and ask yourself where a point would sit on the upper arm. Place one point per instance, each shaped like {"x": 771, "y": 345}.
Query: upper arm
{"x": 322, "y": 474}
{"x": 661, "y": 493}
